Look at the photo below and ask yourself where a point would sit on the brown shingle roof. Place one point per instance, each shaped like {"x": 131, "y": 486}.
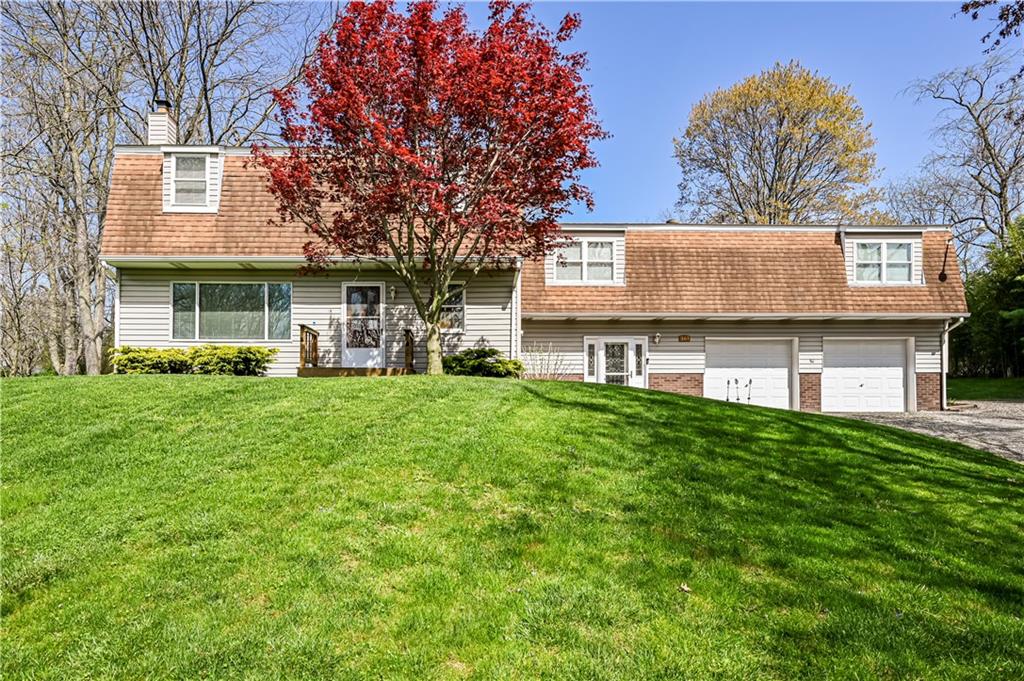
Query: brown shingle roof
{"x": 137, "y": 225}
{"x": 666, "y": 271}
{"x": 763, "y": 272}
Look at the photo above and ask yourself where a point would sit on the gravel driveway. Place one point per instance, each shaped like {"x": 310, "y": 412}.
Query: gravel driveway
{"x": 997, "y": 427}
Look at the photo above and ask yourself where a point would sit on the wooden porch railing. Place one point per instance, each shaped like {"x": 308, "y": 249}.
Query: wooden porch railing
{"x": 309, "y": 358}
{"x": 309, "y": 352}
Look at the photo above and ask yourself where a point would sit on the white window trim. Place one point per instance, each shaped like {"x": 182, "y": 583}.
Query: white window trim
{"x": 584, "y": 243}
{"x": 203, "y": 207}
{"x": 460, "y": 329}
{"x": 228, "y": 341}
{"x": 913, "y": 281}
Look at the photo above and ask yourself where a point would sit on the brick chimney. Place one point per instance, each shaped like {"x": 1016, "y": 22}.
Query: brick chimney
{"x": 161, "y": 126}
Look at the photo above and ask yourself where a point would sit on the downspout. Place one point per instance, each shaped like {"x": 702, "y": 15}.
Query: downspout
{"x": 943, "y": 357}
{"x": 848, "y": 262}
{"x": 517, "y": 305}
{"x": 116, "y": 271}
{"x": 117, "y": 308}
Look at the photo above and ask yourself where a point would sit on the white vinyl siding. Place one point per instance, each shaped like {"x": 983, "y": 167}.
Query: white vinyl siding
{"x": 161, "y": 128}
{"x": 810, "y": 354}
{"x": 927, "y": 344}
{"x": 144, "y": 313}
{"x": 563, "y": 342}
{"x": 564, "y": 339}
{"x": 927, "y": 353}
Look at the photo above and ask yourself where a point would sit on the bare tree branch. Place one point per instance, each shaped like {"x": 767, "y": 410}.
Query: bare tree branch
{"x": 80, "y": 78}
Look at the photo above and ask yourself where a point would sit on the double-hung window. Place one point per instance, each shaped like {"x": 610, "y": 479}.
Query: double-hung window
{"x": 586, "y": 260}
{"x": 235, "y": 311}
{"x": 453, "y": 310}
{"x": 189, "y": 180}
{"x": 883, "y": 262}
{"x": 600, "y": 262}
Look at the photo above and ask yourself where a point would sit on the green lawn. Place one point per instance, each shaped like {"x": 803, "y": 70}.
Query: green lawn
{"x": 420, "y": 527}
{"x": 986, "y": 389}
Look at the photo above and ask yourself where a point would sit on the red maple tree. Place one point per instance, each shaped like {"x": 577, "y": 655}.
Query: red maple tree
{"x": 433, "y": 149}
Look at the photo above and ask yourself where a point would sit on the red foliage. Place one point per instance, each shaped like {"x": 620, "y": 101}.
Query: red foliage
{"x": 416, "y": 138}
{"x": 1009, "y": 18}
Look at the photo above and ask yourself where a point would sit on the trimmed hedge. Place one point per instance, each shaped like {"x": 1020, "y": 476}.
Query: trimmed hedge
{"x": 230, "y": 360}
{"x": 482, "y": 362}
{"x": 129, "y": 360}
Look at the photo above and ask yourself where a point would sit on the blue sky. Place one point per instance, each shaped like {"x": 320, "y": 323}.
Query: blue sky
{"x": 651, "y": 62}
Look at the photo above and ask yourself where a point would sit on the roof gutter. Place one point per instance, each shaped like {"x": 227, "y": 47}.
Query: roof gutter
{"x": 738, "y": 315}
{"x": 112, "y": 259}
{"x": 183, "y": 261}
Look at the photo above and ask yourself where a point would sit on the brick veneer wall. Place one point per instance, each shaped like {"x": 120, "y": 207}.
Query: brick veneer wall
{"x": 681, "y": 384}
{"x": 810, "y": 392}
{"x": 928, "y": 391}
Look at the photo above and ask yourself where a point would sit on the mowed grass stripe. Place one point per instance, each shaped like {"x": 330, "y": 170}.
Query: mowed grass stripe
{"x": 184, "y": 527}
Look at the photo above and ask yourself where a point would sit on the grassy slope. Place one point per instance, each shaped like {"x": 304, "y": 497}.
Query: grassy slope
{"x": 986, "y": 389}
{"x": 417, "y": 527}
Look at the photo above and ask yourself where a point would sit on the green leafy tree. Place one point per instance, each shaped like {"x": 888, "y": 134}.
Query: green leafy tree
{"x": 786, "y": 146}
{"x": 992, "y": 342}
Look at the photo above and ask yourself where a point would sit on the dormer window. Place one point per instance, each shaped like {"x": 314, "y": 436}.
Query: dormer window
{"x": 883, "y": 262}
{"x": 189, "y": 180}
{"x": 586, "y": 261}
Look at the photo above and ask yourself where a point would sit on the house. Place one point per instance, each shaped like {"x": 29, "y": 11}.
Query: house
{"x": 851, "y": 318}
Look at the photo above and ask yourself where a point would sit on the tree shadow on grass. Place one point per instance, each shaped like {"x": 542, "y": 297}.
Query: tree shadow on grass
{"x": 888, "y": 511}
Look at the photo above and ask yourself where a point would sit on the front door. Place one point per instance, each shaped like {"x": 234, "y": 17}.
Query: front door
{"x": 617, "y": 361}
{"x": 616, "y": 364}
{"x": 363, "y": 339}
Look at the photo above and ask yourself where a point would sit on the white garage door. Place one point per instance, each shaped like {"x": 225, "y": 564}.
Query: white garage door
{"x": 748, "y": 371}
{"x": 863, "y": 375}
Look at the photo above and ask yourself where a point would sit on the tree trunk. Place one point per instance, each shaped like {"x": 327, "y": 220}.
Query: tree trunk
{"x": 434, "y": 366}
{"x": 91, "y": 314}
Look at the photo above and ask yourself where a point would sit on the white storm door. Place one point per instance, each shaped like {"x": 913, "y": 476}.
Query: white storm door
{"x": 749, "y": 371}
{"x": 863, "y": 375}
{"x": 638, "y": 363}
{"x": 363, "y": 339}
{"x": 615, "y": 363}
